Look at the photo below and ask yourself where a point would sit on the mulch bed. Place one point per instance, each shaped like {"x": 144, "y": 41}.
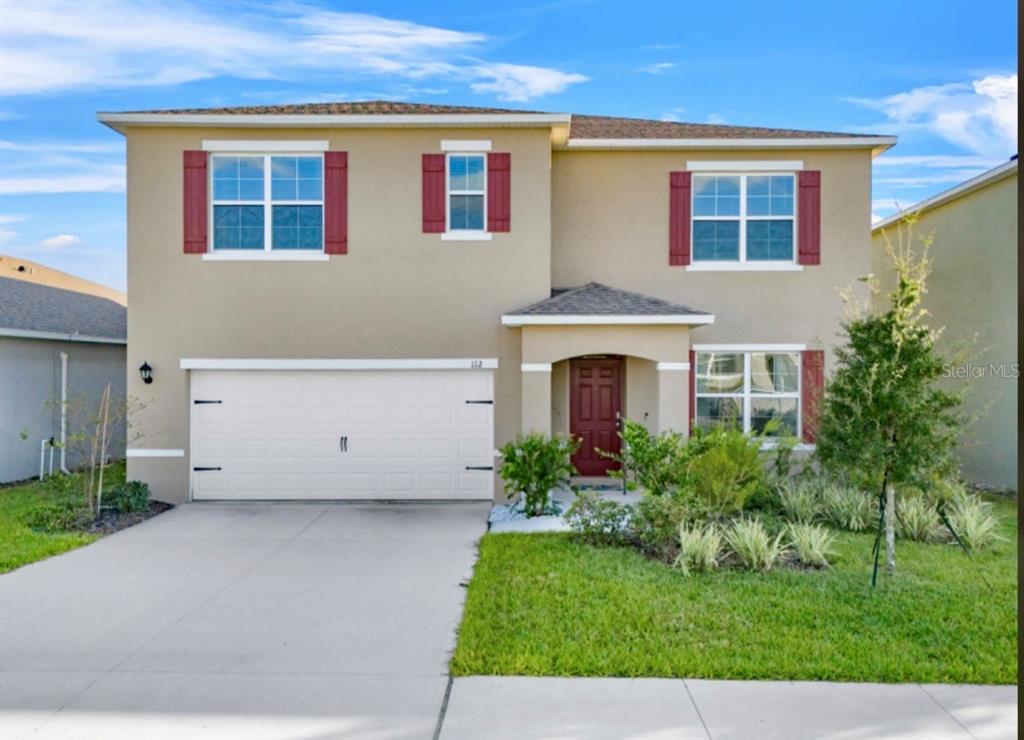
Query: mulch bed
{"x": 109, "y": 522}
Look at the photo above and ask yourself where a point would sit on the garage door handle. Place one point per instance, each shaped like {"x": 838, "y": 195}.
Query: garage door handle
{"x": 343, "y": 443}
{"x": 202, "y": 469}
{"x": 199, "y": 401}
{"x": 479, "y": 467}
{"x": 487, "y": 402}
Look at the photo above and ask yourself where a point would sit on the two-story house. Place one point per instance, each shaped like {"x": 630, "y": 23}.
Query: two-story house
{"x": 363, "y": 300}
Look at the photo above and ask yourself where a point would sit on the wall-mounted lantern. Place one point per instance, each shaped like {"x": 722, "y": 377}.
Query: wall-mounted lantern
{"x": 146, "y": 372}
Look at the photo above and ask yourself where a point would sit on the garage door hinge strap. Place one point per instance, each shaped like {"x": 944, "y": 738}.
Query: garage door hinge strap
{"x": 487, "y": 402}
{"x": 479, "y": 467}
{"x": 202, "y": 469}
{"x": 198, "y": 401}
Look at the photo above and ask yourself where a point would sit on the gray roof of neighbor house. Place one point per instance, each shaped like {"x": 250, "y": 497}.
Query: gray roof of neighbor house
{"x": 28, "y": 308}
{"x": 595, "y": 299}
{"x": 581, "y": 126}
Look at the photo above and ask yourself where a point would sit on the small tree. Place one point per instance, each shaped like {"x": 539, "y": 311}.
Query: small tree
{"x": 884, "y": 419}
{"x": 533, "y": 465}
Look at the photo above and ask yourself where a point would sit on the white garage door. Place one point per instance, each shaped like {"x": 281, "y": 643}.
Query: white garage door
{"x": 342, "y": 434}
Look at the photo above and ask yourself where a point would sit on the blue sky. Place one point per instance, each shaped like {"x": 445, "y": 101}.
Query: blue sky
{"x": 940, "y": 75}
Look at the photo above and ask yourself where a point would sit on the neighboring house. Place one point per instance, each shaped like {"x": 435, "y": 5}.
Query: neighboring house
{"x": 972, "y": 292}
{"x": 58, "y": 351}
{"x": 34, "y": 272}
{"x": 363, "y": 300}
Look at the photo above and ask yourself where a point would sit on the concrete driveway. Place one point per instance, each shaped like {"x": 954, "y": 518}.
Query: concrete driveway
{"x": 241, "y": 620}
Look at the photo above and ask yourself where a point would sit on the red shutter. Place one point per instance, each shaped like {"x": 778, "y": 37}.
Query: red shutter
{"x": 809, "y": 217}
{"x": 195, "y": 201}
{"x": 499, "y": 192}
{"x": 336, "y": 202}
{"x": 433, "y": 193}
{"x": 679, "y": 218}
{"x": 693, "y": 388}
{"x": 812, "y": 384}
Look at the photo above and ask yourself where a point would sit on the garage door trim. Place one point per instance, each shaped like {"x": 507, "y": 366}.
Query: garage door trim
{"x": 488, "y": 363}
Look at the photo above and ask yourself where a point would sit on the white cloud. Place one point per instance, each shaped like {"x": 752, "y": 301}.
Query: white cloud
{"x": 978, "y": 116}
{"x": 60, "y": 241}
{"x": 716, "y": 118}
{"x": 673, "y": 115}
{"x": 65, "y": 44}
{"x": 7, "y": 235}
{"x": 97, "y": 183}
{"x": 519, "y": 82}
{"x": 12, "y": 218}
{"x": 659, "y": 68}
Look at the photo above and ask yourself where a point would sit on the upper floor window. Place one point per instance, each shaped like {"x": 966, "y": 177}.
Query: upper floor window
{"x": 466, "y": 192}
{"x": 267, "y": 202}
{"x": 743, "y": 218}
{"x": 749, "y": 389}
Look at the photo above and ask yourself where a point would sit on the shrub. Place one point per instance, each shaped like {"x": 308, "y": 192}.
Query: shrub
{"x": 847, "y": 507}
{"x": 652, "y": 462}
{"x": 128, "y": 497}
{"x": 597, "y": 520}
{"x": 917, "y": 519}
{"x": 726, "y": 470}
{"x": 973, "y": 521}
{"x": 811, "y": 543}
{"x": 800, "y": 500}
{"x": 535, "y": 464}
{"x": 654, "y": 525}
{"x": 699, "y": 548}
{"x": 58, "y": 516}
{"x": 753, "y": 547}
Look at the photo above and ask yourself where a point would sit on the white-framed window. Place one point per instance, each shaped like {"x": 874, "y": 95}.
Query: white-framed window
{"x": 749, "y": 389}
{"x": 267, "y": 202}
{"x": 466, "y": 196}
{"x": 744, "y": 218}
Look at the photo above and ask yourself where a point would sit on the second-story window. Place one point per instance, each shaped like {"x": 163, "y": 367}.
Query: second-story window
{"x": 466, "y": 192}
{"x": 268, "y": 202}
{"x": 743, "y": 218}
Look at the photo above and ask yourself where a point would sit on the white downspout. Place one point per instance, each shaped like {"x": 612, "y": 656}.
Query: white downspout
{"x": 63, "y": 411}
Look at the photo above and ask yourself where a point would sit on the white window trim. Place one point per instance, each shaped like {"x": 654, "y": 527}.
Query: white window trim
{"x": 535, "y": 367}
{"x": 298, "y": 146}
{"x": 784, "y": 347}
{"x": 759, "y": 166}
{"x": 746, "y": 395}
{"x": 465, "y": 145}
{"x": 742, "y": 264}
{"x": 263, "y": 255}
{"x": 153, "y": 452}
{"x": 463, "y": 235}
{"x": 214, "y": 254}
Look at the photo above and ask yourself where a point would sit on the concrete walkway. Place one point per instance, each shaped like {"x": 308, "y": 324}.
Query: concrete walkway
{"x": 483, "y": 707}
{"x": 241, "y": 620}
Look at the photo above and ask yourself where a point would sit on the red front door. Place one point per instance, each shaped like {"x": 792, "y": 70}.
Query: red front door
{"x": 594, "y": 406}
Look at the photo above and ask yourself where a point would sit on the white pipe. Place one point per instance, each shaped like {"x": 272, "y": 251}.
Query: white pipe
{"x": 63, "y": 414}
{"x": 42, "y": 458}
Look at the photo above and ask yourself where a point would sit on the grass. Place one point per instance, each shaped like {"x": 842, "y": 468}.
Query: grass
{"x": 547, "y": 605}
{"x": 19, "y": 543}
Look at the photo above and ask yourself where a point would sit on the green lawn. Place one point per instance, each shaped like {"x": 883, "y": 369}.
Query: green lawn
{"x": 545, "y": 605}
{"x": 19, "y": 544}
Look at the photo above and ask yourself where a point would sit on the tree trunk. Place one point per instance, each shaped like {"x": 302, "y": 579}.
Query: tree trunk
{"x": 890, "y": 528}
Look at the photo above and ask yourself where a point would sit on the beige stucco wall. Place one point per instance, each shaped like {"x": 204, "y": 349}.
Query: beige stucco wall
{"x": 973, "y": 290}
{"x": 610, "y": 225}
{"x": 397, "y": 293}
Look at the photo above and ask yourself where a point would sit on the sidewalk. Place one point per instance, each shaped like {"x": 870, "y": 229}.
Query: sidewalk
{"x": 481, "y": 707}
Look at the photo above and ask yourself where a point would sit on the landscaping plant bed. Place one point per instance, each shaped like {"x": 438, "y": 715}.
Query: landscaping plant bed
{"x": 112, "y": 521}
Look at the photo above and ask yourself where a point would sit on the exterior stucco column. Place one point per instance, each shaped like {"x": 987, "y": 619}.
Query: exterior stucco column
{"x": 674, "y": 397}
{"x": 536, "y": 397}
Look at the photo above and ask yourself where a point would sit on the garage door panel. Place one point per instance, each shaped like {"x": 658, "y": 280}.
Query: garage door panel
{"x": 277, "y": 434}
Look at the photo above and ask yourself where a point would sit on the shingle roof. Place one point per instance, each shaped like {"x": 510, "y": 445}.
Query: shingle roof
{"x": 595, "y": 299}
{"x": 362, "y": 108}
{"x": 28, "y": 306}
{"x": 610, "y": 127}
{"x": 581, "y": 127}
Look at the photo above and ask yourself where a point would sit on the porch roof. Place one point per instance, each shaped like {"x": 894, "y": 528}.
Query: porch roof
{"x": 595, "y": 303}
